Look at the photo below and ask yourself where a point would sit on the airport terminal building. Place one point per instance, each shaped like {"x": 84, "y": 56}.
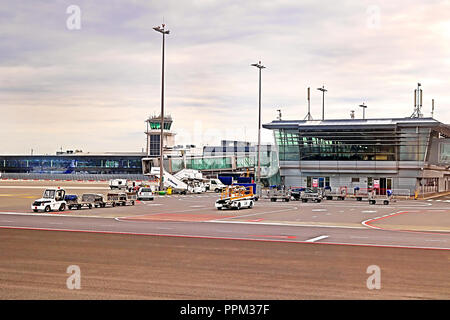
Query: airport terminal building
{"x": 73, "y": 163}
{"x": 401, "y": 154}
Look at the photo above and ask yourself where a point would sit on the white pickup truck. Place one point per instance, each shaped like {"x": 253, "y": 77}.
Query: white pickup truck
{"x": 52, "y": 199}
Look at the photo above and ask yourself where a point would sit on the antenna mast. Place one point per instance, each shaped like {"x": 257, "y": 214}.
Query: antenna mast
{"x": 418, "y": 95}
{"x": 279, "y": 114}
{"x": 308, "y": 116}
{"x": 432, "y": 108}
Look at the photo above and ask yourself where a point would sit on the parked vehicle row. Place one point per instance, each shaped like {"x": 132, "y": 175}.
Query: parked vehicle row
{"x": 56, "y": 199}
{"x": 318, "y": 194}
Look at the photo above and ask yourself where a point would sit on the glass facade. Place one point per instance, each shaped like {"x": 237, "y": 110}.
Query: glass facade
{"x": 73, "y": 164}
{"x": 155, "y": 145}
{"x": 444, "y": 152}
{"x": 157, "y": 125}
{"x": 350, "y": 144}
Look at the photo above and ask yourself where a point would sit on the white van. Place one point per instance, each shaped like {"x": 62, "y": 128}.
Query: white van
{"x": 118, "y": 184}
{"x": 216, "y": 185}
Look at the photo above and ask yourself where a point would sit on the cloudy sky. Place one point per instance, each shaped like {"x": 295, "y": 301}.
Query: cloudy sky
{"x": 92, "y": 87}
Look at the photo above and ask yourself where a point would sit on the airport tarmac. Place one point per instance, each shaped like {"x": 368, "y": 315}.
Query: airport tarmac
{"x": 374, "y": 231}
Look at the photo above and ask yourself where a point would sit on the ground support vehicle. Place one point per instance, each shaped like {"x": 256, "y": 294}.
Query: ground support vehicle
{"x": 74, "y": 202}
{"x": 121, "y": 198}
{"x": 283, "y": 195}
{"x": 131, "y": 198}
{"x": 118, "y": 184}
{"x": 385, "y": 198}
{"x": 359, "y": 194}
{"x": 96, "y": 199}
{"x": 195, "y": 186}
{"x": 52, "y": 199}
{"x": 313, "y": 194}
{"x": 116, "y": 198}
{"x": 235, "y": 197}
{"x": 338, "y": 194}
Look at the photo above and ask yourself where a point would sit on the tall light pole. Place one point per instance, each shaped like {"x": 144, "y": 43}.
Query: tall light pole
{"x": 364, "y": 109}
{"x": 258, "y": 170}
{"x": 161, "y": 159}
{"x": 323, "y": 100}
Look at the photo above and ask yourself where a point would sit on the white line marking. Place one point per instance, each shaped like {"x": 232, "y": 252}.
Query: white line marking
{"x": 227, "y": 238}
{"x": 254, "y": 214}
{"x": 51, "y": 215}
{"x": 317, "y": 238}
{"x": 282, "y": 224}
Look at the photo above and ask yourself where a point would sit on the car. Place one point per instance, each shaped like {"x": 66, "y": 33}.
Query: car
{"x": 311, "y": 194}
{"x": 296, "y": 193}
{"x": 145, "y": 194}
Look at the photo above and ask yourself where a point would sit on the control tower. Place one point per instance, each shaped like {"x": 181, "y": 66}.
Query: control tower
{"x": 153, "y": 135}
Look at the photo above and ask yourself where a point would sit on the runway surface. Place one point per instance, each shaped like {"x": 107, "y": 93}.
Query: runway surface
{"x": 230, "y": 230}
{"x": 33, "y": 265}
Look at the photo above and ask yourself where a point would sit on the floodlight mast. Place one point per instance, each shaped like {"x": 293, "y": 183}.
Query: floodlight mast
{"x": 258, "y": 170}
{"x": 161, "y": 159}
{"x": 323, "y": 100}
{"x": 364, "y": 109}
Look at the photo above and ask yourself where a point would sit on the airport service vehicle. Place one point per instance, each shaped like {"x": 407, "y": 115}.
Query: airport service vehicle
{"x": 52, "y": 199}
{"x": 374, "y": 197}
{"x": 359, "y": 194}
{"x": 74, "y": 202}
{"x": 296, "y": 193}
{"x": 118, "y": 184}
{"x": 193, "y": 179}
{"x": 145, "y": 194}
{"x": 95, "y": 199}
{"x": 121, "y": 198}
{"x": 311, "y": 194}
{"x": 88, "y": 200}
{"x": 235, "y": 197}
{"x": 275, "y": 194}
{"x": 215, "y": 185}
{"x": 256, "y": 189}
{"x": 196, "y": 187}
{"x": 170, "y": 181}
{"x": 338, "y": 194}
